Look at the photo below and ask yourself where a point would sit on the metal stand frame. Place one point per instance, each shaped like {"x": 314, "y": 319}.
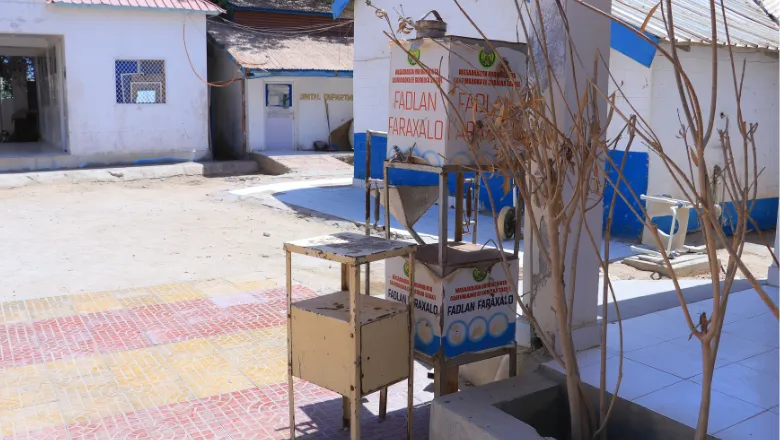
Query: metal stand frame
{"x": 350, "y": 281}
{"x": 446, "y": 370}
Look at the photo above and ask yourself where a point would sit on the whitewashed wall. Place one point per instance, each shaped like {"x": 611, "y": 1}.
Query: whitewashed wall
{"x": 94, "y": 37}
{"x": 633, "y": 83}
{"x": 310, "y": 121}
{"x": 759, "y": 105}
{"x": 372, "y": 54}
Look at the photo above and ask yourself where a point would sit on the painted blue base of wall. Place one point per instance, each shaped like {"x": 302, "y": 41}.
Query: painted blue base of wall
{"x": 762, "y": 211}
{"x": 417, "y": 178}
{"x": 625, "y": 224}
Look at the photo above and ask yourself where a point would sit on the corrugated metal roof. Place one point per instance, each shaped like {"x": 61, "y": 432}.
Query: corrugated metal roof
{"x": 749, "y": 26}
{"x": 319, "y": 6}
{"x": 204, "y": 6}
{"x": 255, "y": 49}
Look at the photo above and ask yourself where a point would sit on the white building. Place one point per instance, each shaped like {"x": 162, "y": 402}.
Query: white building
{"x": 289, "y": 75}
{"x": 106, "y": 82}
{"x": 646, "y": 80}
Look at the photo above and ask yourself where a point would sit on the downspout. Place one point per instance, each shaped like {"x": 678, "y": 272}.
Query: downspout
{"x": 244, "y": 151}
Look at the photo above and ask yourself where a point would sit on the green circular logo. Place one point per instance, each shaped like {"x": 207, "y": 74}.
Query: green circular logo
{"x": 416, "y": 53}
{"x": 487, "y": 59}
{"x": 406, "y": 269}
{"x": 478, "y": 275}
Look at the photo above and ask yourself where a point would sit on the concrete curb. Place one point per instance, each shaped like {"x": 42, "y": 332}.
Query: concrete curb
{"x": 128, "y": 174}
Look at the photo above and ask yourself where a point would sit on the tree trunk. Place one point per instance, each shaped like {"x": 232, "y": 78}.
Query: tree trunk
{"x": 708, "y": 368}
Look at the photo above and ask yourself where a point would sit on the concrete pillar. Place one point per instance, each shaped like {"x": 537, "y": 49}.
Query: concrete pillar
{"x": 772, "y": 274}
{"x": 590, "y": 33}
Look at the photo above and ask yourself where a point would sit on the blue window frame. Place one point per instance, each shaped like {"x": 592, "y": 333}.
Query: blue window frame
{"x": 140, "y": 81}
{"x": 278, "y": 95}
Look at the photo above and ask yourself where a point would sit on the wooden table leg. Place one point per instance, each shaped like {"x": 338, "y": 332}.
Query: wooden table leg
{"x": 290, "y": 389}
{"x": 382, "y": 403}
{"x": 354, "y": 321}
{"x": 345, "y": 413}
{"x": 513, "y": 361}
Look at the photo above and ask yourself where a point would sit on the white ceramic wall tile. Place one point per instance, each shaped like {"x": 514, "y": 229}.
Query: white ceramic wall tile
{"x": 761, "y": 427}
{"x": 762, "y": 329}
{"x": 745, "y": 383}
{"x": 768, "y": 362}
{"x": 682, "y": 359}
{"x": 731, "y": 349}
{"x": 681, "y": 403}
{"x": 638, "y": 379}
{"x": 584, "y": 358}
{"x": 659, "y": 325}
{"x": 748, "y": 304}
{"x": 632, "y": 339}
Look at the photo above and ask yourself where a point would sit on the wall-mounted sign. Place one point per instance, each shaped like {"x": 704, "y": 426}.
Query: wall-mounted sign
{"x": 328, "y": 97}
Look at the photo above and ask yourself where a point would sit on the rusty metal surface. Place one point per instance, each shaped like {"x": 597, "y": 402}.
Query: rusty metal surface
{"x": 182, "y": 5}
{"x": 350, "y": 248}
{"x": 749, "y": 26}
{"x": 255, "y": 49}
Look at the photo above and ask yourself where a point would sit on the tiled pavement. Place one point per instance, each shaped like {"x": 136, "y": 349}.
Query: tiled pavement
{"x": 197, "y": 360}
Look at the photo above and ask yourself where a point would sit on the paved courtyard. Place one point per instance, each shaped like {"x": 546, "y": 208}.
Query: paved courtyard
{"x": 190, "y": 360}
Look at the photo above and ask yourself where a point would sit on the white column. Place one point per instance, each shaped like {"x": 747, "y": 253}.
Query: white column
{"x": 590, "y": 33}
{"x": 772, "y": 274}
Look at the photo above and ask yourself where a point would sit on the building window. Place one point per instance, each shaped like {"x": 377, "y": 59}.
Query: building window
{"x": 278, "y": 95}
{"x": 140, "y": 81}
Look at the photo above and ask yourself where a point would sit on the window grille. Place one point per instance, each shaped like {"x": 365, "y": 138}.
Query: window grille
{"x": 140, "y": 81}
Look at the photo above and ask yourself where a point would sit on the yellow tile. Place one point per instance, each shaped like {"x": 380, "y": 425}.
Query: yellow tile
{"x": 104, "y": 383}
{"x": 95, "y": 302}
{"x": 50, "y": 308}
{"x": 142, "y": 366}
{"x": 214, "y": 287}
{"x": 130, "y": 298}
{"x": 30, "y": 418}
{"x": 158, "y": 394}
{"x": 175, "y": 292}
{"x": 263, "y": 365}
{"x": 94, "y": 405}
{"x": 13, "y": 311}
{"x": 25, "y": 387}
{"x": 68, "y": 370}
{"x": 211, "y": 375}
{"x": 252, "y": 286}
{"x": 190, "y": 347}
{"x": 268, "y": 337}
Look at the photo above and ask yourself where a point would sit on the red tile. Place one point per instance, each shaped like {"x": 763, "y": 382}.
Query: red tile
{"x": 254, "y": 316}
{"x": 64, "y": 338}
{"x": 162, "y": 324}
{"x": 18, "y": 345}
{"x": 115, "y": 330}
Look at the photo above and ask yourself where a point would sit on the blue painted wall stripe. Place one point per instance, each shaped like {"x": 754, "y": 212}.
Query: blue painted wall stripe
{"x": 625, "y": 224}
{"x": 338, "y": 6}
{"x": 630, "y": 44}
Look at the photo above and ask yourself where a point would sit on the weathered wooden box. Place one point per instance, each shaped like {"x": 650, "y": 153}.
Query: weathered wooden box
{"x": 322, "y": 348}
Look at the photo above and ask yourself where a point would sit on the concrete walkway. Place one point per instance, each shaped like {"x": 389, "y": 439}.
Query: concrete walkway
{"x": 202, "y": 360}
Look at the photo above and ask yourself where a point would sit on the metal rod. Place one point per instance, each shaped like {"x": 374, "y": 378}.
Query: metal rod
{"x": 354, "y": 322}
{"x": 368, "y": 205}
{"x": 458, "y": 207}
{"x": 386, "y": 189}
{"x": 290, "y": 389}
{"x": 476, "y": 206}
{"x": 443, "y": 208}
{"x": 410, "y": 380}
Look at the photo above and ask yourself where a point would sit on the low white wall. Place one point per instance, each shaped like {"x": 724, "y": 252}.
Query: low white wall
{"x": 96, "y": 36}
{"x": 309, "y": 94}
{"x": 759, "y": 105}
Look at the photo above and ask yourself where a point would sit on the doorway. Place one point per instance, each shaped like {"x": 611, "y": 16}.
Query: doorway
{"x": 279, "y": 117}
{"x": 32, "y": 111}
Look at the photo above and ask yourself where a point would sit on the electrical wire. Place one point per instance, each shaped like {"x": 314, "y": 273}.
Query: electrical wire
{"x": 279, "y": 32}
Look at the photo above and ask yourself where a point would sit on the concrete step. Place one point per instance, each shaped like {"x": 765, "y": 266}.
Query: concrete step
{"x": 127, "y": 174}
{"x": 308, "y": 163}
